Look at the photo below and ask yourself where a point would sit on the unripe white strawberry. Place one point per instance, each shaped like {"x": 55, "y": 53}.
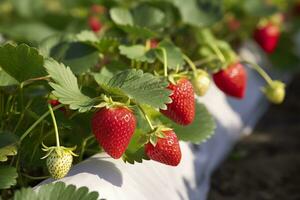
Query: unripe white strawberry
{"x": 275, "y": 92}
{"x": 59, "y": 160}
{"x": 201, "y": 82}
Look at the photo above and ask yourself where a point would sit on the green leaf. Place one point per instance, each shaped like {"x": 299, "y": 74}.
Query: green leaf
{"x": 28, "y": 8}
{"x": 138, "y": 32}
{"x": 6, "y": 151}
{"x": 148, "y": 16}
{"x": 57, "y": 190}
{"x": 259, "y": 8}
{"x": 8, "y": 176}
{"x": 143, "y": 88}
{"x": 33, "y": 32}
{"x": 137, "y": 52}
{"x": 199, "y": 131}
{"x": 21, "y": 62}
{"x": 121, "y": 16}
{"x": 174, "y": 54}
{"x": 66, "y": 87}
{"x": 8, "y": 145}
{"x": 6, "y": 80}
{"x": 104, "y": 44}
{"x": 135, "y": 151}
{"x": 199, "y": 13}
{"x": 78, "y": 56}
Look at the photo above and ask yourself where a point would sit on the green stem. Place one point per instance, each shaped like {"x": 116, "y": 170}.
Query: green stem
{"x": 259, "y": 70}
{"x": 218, "y": 52}
{"x": 190, "y": 63}
{"x": 37, "y": 122}
{"x": 55, "y": 125}
{"x": 165, "y": 61}
{"x": 84, "y": 146}
{"x": 206, "y": 60}
{"x": 22, "y": 116}
{"x": 146, "y": 117}
{"x": 35, "y": 177}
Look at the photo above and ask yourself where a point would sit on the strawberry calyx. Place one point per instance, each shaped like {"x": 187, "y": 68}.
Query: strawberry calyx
{"x": 174, "y": 77}
{"x": 108, "y": 102}
{"x": 59, "y": 150}
{"x": 154, "y": 135}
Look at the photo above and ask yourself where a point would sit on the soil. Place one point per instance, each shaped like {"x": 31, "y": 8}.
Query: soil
{"x": 266, "y": 164}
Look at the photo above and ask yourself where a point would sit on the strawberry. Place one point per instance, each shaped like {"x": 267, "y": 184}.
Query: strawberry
{"x": 232, "y": 80}
{"x": 267, "y": 37}
{"x": 275, "y": 92}
{"x": 95, "y": 24}
{"x": 55, "y": 102}
{"x": 113, "y": 128}
{"x": 153, "y": 43}
{"x": 59, "y": 160}
{"x": 166, "y": 150}
{"x": 182, "y": 108}
{"x": 201, "y": 82}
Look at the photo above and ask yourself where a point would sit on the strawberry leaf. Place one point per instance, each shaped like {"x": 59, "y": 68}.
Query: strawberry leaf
{"x": 148, "y": 16}
{"x": 7, "y": 145}
{"x": 199, "y": 12}
{"x": 174, "y": 54}
{"x": 135, "y": 151}
{"x": 137, "y": 52}
{"x": 66, "y": 87}
{"x": 57, "y": 190}
{"x": 199, "y": 131}
{"x": 6, "y": 80}
{"x": 21, "y": 62}
{"x": 121, "y": 16}
{"x": 8, "y": 177}
{"x": 143, "y": 88}
{"x": 138, "y": 32}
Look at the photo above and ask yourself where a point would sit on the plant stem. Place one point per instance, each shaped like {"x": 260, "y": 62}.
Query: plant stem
{"x": 260, "y": 71}
{"x": 218, "y": 52}
{"x": 190, "y": 63}
{"x": 84, "y": 146}
{"x": 37, "y": 122}
{"x": 146, "y": 117}
{"x": 35, "y": 177}
{"x": 165, "y": 61}
{"x": 55, "y": 125}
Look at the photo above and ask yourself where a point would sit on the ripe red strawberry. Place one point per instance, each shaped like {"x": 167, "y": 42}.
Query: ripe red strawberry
{"x": 232, "y": 80}
{"x": 182, "y": 108}
{"x": 113, "y": 128}
{"x": 267, "y": 37}
{"x": 153, "y": 43}
{"x": 95, "y": 24}
{"x": 166, "y": 150}
{"x": 55, "y": 102}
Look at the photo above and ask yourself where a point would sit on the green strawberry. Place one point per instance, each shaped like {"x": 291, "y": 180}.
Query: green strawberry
{"x": 59, "y": 160}
{"x": 275, "y": 92}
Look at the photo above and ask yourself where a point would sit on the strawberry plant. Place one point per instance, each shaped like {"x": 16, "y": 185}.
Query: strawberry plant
{"x": 122, "y": 77}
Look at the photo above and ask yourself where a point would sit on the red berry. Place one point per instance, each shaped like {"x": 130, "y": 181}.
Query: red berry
{"x": 95, "y": 24}
{"x": 166, "y": 150}
{"x": 182, "y": 108}
{"x": 113, "y": 128}
{"x": 267, "y": 37}
{"x": 153, "y": 43}
{"x": 233, "y": 24}
{"x": 54, "y": 102}
{"x": 232, "y": 80}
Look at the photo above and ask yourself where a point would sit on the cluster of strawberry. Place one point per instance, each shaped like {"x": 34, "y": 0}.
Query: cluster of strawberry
{"x": 94, "y": 18}
{"x": 114, "y": 126}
